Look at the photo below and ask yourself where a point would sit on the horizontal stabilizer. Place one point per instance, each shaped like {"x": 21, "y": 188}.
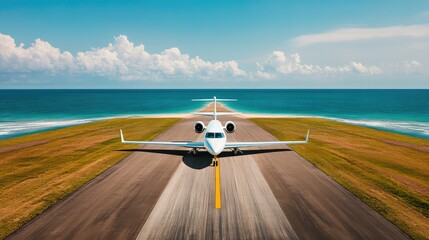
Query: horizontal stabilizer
{"x": 217, "y": 100}
{"x": 217, "y": 113}
{"x": 214, "y": 100}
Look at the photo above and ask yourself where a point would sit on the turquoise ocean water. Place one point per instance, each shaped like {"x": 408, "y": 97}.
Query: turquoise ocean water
{"x": 28, "y": 111}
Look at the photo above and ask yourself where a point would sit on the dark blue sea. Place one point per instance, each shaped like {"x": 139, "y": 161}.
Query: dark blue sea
{"x": 28, "y": 111}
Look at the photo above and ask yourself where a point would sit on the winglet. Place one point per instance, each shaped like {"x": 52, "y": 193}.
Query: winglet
{"x": 308, "y": 136}
{"x": 122, "y": 136}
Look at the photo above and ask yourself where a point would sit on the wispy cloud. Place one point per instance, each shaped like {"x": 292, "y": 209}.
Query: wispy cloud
{"x": 356, "y": 34}
{"x": 424, "y": 14}
{"x": 279, "y": 65}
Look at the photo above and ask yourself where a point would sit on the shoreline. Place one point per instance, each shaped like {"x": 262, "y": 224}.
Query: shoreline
{"x": 23, "y": 128}
{"x": 32, "y": 111}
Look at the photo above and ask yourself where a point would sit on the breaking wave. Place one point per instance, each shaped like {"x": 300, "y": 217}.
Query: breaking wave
{"x": 411, "y": 128}
{"x": 8, "y": 129}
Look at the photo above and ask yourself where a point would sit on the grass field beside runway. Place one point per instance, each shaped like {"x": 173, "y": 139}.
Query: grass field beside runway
{"x": 38, "y": 170}
{"x": 388, "y": 171}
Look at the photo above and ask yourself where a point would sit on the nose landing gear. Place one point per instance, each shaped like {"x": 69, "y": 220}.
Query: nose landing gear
{"x": 215, "y": 162}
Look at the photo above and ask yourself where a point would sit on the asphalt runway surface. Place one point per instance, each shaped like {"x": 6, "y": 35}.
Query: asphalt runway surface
{"x": 167, "y": 193}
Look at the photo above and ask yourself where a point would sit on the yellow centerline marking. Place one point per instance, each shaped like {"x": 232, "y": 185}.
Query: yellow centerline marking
{"x": 217, "y": 184}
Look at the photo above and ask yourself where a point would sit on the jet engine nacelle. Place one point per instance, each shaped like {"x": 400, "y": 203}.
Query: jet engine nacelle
{"x": 229, "y": 127}
{"x": 199, "y": 127}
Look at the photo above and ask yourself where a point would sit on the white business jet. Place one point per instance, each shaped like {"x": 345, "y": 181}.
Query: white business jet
{"x": 215, "y": 138}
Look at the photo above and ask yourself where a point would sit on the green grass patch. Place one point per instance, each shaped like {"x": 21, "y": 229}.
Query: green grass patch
{"x": 387, "y": 171}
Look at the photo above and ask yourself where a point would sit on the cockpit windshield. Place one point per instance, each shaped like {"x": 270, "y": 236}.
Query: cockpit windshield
{"x": 215, "y": 135}
{"x": 218, "y": 135}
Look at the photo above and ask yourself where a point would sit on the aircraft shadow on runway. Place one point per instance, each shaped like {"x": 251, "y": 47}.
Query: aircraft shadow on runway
{"x": 203, "y": 159}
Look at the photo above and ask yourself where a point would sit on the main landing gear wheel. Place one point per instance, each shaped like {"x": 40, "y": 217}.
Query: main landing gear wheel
{"x": 194, "y": 151}
{"x": 235, "y": 151}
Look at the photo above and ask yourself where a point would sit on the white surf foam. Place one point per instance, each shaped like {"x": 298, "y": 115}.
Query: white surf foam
{"x": 410, "y": 128}
{"x": 406, "y": 127}
{"x": 9, "y": 129}
{"x": 12, "y": 128}
{"x": 25, "y": 127}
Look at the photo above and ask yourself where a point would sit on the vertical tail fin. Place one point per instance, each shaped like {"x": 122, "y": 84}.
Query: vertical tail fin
{"x": 214, "y": 107}
{"x": 214, "y": 100}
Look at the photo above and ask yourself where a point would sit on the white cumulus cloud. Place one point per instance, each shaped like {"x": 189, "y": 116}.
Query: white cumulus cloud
{"x": 40, "y": 56}
{"x": 279, "y": 65}
{"x": 356, "y": 34}
{"x": 124, "y": 60}
{"x": 121, "y": 59}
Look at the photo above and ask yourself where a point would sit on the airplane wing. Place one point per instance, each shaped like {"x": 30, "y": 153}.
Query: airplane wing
{"x": 255, "y": 144}
{"x": 176, "y": 144}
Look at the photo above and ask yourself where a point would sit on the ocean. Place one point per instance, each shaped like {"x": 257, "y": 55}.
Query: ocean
{"x": 28, "y": 111}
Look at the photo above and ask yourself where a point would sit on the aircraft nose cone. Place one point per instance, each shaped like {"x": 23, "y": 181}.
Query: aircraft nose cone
{"x": 214, "y": 148}
{"x": 217, "y": 149}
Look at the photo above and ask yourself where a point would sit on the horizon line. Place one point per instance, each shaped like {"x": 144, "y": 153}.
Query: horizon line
{"x": 2, "y": 89}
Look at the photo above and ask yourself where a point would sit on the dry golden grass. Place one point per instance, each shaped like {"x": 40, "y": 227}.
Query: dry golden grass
{"x": 388, "y": 171}
{"x": 38, "y": 170}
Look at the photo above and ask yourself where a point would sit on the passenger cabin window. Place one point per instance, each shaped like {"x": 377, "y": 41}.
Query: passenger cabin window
{"x": 214, "y": 135}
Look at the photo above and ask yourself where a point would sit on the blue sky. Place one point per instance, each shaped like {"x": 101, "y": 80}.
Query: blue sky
{"x": 192, "y": 44}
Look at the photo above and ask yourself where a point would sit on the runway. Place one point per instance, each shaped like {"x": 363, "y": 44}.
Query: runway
{"x": 165, "y": 193}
